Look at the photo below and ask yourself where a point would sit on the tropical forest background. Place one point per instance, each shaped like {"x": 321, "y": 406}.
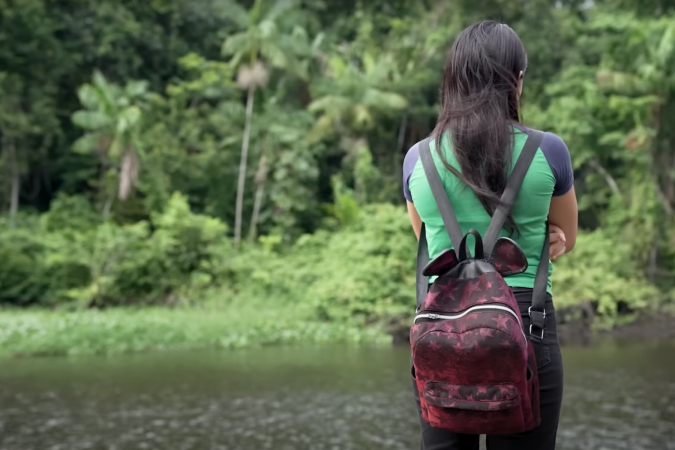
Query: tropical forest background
{"x": 210, "y": 172}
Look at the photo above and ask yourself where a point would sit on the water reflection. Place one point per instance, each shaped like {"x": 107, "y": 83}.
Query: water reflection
{"x": 617, "y": 397}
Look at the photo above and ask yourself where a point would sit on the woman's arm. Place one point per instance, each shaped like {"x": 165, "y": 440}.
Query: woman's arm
{"x": 562, "y": 216}
{"x": 557, "y": 241}
{"x": 563, "y": 213}
{"x": 414, "y": 219}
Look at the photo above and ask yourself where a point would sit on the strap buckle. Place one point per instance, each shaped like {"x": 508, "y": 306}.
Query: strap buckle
{"x": 540, "y": 337}
{"x": 538, "y": 320}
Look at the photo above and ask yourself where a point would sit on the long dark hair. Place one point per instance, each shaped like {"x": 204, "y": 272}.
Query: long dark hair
{"x": 479, "y": 103}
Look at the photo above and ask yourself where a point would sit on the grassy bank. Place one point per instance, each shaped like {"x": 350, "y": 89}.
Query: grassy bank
{"x": 36, "y": 332}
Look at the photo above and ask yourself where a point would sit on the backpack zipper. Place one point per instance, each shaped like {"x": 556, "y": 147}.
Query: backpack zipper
{"x": 435, "y": 316}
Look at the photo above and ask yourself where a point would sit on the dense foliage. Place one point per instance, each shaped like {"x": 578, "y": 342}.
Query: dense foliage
{"x": 172, "y": 151}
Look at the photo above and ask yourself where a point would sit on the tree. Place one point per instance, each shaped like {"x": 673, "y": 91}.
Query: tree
{"x": 190, "y": 141}
{"x": 112, "y": 120}
{"x": 610, "y": 104}
{"x": 287, "y": 162}
{"x": 353, "y": 94}
{"x": 14, "y": 125}
{"x": 27, "y": 128}
{"x": 349, "y": 100}
{"x": 262, "y": 42}
{"x": 30, "y": 67}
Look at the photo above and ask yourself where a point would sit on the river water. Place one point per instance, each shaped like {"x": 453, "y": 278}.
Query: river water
{"x": 617, "y": 397}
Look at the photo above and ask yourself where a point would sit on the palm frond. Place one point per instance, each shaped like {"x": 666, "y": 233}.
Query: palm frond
{"x": 91, "y": 120}
{"x": 238, "y": 44}
{"x": 280, "y": 7}
{"x": 235, "y": 12}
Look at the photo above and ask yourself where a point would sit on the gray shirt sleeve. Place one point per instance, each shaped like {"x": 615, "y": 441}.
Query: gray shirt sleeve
{"x": 558, "y": 157}
{"x": 408, "y": 166}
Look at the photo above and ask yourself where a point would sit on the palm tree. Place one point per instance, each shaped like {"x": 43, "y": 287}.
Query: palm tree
{"x": 112, "y": 120}
{"x": 350, "y": 99}
{"x": 261, "y": 43}
{"x": 353, "y": 95}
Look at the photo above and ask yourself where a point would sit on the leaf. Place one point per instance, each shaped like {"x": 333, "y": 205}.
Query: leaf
{"x": 337, "y": 67}
{"x": 279, "y": 7}
{"x": 234, "y": 11}
{"x": 86, "y": 144}
{"x": 275, "y": 55}
{"x": 91, "y": 120}
{"x": 330, "y": 103}
{"x": 237, "y": 45}
{"x": 362, "y": 116}
{"x": 136, "y": 88}
{"x": 368, "y": 63}
{"x": 192, "y": 61}
{"x": 317, "y": 42}
{"x": 666, "y": 48}
{"x": 128, "y": 119}
{"x": 385, "y": 101}
{"x": 267, "y": 31}
{"x": 88, "y": 96}
{"x": 99, "y": 80}
{"x": 322, "y": 128}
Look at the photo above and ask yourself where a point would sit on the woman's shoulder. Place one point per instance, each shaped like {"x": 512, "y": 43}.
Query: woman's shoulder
{"x": 411, "y": 157}
{"x": 409, "y": 163}
{"x": 551, "y": 145}
{"x": 558, "y": 157}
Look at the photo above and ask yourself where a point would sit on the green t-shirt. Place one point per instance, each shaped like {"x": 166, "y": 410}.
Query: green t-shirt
{"x": 549, "y": 174}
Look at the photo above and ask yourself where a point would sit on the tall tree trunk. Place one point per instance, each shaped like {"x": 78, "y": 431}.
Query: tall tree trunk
{"x": 401, "y": 133}
{"x": 102, "y": 194}
{"x": 260, "y": 178}
{"x": 108, "y": 205}
{"x": 242, "y": 167}
{"x": 128, "y": 174}
{"x": 16, "y": 182}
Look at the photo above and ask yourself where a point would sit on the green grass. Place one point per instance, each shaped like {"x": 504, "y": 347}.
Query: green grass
{"x": 39, "y": 332}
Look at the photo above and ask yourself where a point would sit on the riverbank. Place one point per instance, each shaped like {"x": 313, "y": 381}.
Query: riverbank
{"x": 49, "y": 333}
{"x": 122, "y": 330}
{"x": 577, "y": 325}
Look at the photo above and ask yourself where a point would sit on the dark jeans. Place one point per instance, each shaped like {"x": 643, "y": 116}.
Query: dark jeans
{"x": 549, "y": 362}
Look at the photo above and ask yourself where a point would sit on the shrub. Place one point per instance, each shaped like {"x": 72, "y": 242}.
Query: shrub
{"x": 360, "y": 269}
{"x": 69, "y": 257}
{"x": 602, "y": 271}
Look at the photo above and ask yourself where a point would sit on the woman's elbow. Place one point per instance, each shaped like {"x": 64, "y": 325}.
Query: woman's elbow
{"x": 570, "y": 243}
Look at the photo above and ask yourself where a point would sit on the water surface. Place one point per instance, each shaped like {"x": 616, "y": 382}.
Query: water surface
{"x": 617, "y": 397}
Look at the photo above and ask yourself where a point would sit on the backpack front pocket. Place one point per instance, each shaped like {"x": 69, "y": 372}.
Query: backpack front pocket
{"x": 471, "y": 397}
{"x": 474, "y": 409}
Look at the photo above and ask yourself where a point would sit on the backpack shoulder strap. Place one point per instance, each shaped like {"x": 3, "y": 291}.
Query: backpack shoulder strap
{"x": 511, "y": 190}
{"x": 440, "y": 195}
{"x": 537, "y": 311}
{"x": 421, "y": 282}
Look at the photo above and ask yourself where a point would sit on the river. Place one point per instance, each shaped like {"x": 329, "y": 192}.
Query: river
{"x": 331, "y": 398}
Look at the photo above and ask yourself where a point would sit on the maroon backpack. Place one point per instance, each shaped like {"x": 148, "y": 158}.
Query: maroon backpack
{"x": 473, "y": 361}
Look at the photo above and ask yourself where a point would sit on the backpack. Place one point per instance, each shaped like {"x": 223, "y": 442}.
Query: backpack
{"x": 474, "y": 364}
